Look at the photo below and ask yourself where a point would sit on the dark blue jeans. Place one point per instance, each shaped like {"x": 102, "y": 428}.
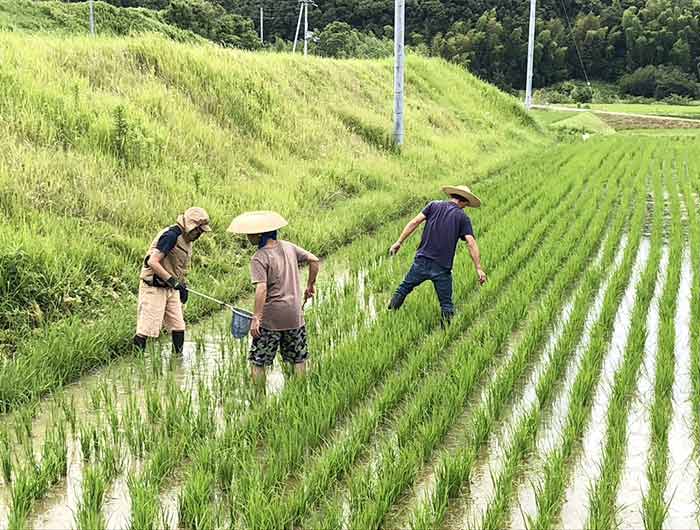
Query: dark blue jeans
{"x": 426, "y": 269}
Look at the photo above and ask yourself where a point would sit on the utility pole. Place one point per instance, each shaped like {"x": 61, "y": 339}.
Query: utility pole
{"x": 399, "y": 58}
{"x": 262, "y": 38}
{"x": 303, "y": 11}
{"x": 530, "y": 56}
{"x": 296, "y": 35}
{"x": 306, "y": 27}
{"x": 92, "y": 17}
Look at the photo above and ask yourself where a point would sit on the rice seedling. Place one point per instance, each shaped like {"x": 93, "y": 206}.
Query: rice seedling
{"x": 253, "y": 431}
{"x": 33, "y": 480}
{"x": 406, "y": 427}
{"x": 258, "y": 430}
{"x": 558, "y": 465}
{"x": 223, "y": 140}
{"x": 691, "y": 201}
{"x": 89, "y": 515}
{"x": 454, "y": 469}
{"x": 603, "y": 506}
{"x": 656, "y": 501}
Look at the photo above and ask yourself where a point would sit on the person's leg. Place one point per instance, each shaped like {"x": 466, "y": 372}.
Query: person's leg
{"x": 150, "y": 312}
{"x": 442, "y": 281}
{"x": 140, "y": 342}
{"x": 257, "y": 374}
{"x": 294, "y": 349}
{"x": 262, "y": 353}
{"x": 174, "y": 320}
{"x": 178, "y": 339}
{"x": 415, "y": 276}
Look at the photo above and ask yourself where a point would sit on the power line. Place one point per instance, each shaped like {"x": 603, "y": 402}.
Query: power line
{"x": 573, "y": 38}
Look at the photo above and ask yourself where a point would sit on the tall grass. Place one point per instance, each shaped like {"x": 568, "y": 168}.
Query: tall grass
{"x": 106, "y": 141}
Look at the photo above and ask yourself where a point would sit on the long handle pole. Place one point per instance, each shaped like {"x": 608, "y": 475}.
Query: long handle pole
{"x": 399, "y": 57}
{"x": 189, "y": 290}
{"x": 530, "y": 56}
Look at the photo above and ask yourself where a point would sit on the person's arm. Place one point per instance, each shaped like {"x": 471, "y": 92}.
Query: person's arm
{"x": 260, "y": 297}
{"x": 314, "y": 268}
{"x": 258, "y": 275}
{"x": 165, "y": 244}
{"x": 476, "y": 257}
{"x": 407, "y": 231}
{"x": 158, "y": 269}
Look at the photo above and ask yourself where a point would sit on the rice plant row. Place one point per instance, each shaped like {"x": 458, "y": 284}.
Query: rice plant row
{"x": 523, "y": 412}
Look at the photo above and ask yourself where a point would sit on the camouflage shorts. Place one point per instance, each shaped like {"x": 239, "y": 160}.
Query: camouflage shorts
{"x": 291, "y": 343}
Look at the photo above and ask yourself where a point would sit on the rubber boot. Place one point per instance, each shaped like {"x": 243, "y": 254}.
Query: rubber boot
{"x": 178, "y": 338}
{"x": 396, "y": 302}
{"x": 445, "y": 319}
{"x": 140, "y": 343}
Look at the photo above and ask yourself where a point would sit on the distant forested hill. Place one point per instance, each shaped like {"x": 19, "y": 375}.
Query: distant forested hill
{"x": 490, "y": 36}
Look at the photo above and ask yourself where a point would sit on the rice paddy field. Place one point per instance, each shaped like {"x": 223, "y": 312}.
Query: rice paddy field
{"x": 564, "y": 394}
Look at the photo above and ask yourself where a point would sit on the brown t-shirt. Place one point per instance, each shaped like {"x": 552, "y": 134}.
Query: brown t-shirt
{"x": 278, "y": 267}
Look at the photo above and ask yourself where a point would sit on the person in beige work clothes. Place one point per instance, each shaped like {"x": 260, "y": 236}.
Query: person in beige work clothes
{"x": 278, "y": 318}
{"x": 162, "y": 289}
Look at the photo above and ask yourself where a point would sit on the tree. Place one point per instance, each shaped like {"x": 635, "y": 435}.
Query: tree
{"x": 339, "y": 40}
{"x": 212, "y": 22}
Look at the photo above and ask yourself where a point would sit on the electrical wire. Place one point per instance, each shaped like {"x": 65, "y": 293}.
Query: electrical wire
{"x": 573, "y": 38}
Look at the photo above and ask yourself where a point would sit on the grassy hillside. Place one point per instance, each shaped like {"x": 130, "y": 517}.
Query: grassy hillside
{"x": 73, "y": 18}
{"x": 103, "y": 142}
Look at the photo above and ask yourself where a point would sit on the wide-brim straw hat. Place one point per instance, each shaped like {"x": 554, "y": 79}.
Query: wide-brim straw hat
{"x": 257, "y": 223}
{"x": 472, "y": 200}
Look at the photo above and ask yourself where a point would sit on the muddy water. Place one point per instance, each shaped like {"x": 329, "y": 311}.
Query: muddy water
{"x": 633, "y": 484}
{"x": 488, "y": 470}
{"x": 57, "y": 510}
{"x": 205, "y": 357}
{"x": 587, "y": 470}
{"x": 4, "y": 510}
{"x": 526, "y": 505}
{"x": 425, "y": 481}
{"x": 681, "y": 490}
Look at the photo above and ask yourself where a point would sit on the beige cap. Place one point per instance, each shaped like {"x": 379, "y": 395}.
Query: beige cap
{"x": 194, "y": 217}
{"x": 472, "y": 200}
{"x": 257, "y": 223}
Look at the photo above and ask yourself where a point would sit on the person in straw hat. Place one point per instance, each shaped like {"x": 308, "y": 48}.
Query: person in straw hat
{"x": 446, "y": 224}
{"x": 162, "y": 287}
{"x": 278, "y": 317}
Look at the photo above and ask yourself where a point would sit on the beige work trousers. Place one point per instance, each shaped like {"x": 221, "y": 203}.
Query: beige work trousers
{"x": 158, "y": 307}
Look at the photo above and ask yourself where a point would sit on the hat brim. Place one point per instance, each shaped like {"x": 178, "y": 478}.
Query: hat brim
{"x": 472, "y": 200}
{"x": 205, "y": 228}
{"x": 257, "y": 223}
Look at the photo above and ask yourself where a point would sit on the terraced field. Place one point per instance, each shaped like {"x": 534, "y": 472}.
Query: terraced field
{"x": 566, "y": 392}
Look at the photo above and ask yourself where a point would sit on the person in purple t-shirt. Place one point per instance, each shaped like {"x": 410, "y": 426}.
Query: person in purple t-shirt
{"x": 445, "y": 224}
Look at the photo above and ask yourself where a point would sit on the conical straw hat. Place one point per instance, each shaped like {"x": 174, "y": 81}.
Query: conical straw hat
{"x": 257, "y": 223}
{"x": 472, "y": 200}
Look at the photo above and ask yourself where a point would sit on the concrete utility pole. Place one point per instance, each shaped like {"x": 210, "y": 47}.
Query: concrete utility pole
{"x": 306, "y": 27}
{"x": 92, "y": 17}
{"x": 262, "y": 38}
{"x": 399, "y": 58}
{"x": 530, "y": 56}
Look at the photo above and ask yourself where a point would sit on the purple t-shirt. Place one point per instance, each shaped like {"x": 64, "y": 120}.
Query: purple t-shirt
{"x": 446, "y": 223}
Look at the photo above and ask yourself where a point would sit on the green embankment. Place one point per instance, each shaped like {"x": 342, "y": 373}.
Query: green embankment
{"x": 103, "y": 142}
{"x": 584, "y": 122}
{"x": 54, "y": 16}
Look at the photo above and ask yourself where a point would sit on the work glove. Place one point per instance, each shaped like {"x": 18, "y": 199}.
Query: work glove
{"x": 184, "y": 294}
{"x": 172, "y": 282}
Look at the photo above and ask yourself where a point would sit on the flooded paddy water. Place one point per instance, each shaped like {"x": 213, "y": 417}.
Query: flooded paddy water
{"x": 212, "y": 364}
{"x": 132, "y": 409}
